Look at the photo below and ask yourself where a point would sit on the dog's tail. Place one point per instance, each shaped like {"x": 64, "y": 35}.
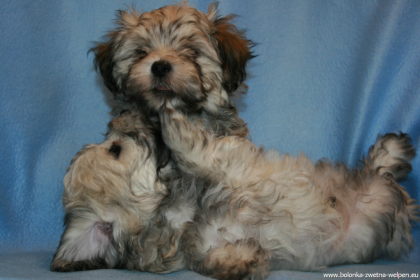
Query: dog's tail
{"x": 391, "y": 154}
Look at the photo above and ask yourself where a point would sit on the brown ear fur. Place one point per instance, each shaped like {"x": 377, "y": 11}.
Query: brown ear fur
{"x": 234, "y": 52}
{"x": 104, "y": 62}
{"x": 105, "y": 51}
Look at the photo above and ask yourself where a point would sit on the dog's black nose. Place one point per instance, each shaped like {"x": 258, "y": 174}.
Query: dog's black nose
{"x": 161, "y": 68}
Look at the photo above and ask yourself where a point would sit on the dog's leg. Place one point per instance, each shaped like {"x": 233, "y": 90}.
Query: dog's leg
{"x": 198, "y": 151}
{"x": 376, "y": 210}
{"x": 389, "y": 159}
{"x": 87, "y": 243}
{"x": 244, "y": 259}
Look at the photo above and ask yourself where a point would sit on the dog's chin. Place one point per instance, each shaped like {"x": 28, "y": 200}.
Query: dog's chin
{"x": 190, "y": 100}
{"x": 156, "y": 97}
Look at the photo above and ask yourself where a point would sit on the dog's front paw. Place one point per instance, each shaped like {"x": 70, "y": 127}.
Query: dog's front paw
{"x": 171, "y": 104}
{"x": 245, "y": 259}
{"x": 169, "y": 115}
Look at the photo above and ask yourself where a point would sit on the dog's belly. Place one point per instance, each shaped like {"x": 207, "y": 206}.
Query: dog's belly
{"x": 285, "y": 213}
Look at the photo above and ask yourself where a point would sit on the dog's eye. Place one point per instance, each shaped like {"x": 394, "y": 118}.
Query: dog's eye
{"x": 191, "y": 52}
{"x": 115, "y": 149}
{"x": 141, "y": 53}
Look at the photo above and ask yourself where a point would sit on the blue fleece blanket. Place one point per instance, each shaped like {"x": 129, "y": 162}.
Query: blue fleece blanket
{"x": 329, "y": 77}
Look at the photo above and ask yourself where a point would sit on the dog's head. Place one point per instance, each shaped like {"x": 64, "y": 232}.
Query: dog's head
{"x": 113, "y": 196}
{"x": 121, "y": 169}
{"x": 175, "y": 52}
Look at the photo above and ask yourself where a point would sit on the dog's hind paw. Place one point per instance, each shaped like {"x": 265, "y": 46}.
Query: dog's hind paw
{"x": 391, "y": 154}
{"x": 60, "y": 265}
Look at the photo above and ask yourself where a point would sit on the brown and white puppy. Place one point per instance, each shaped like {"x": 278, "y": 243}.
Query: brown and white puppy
{"x": 177, "y": 53}
{"x": 118, "y": 213}
{"x": 173, "y": 53}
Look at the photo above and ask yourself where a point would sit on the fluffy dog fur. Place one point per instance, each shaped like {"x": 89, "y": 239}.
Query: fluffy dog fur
{"x": 177, "y": 53}
{"x": 194, "y": 59}
{"x": 249, "y": 211}
{"x": 280, "y": 212}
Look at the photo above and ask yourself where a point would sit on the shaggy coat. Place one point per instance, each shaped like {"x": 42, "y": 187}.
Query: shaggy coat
{"x": 243, "y": 212}
{"x": 177, "y": 185}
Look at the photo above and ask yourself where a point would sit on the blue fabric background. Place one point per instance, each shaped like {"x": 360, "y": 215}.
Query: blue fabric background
{"x": 329, "y": 77}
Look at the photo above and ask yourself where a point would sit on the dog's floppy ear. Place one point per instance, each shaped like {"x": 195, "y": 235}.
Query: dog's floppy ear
{"x": 105, "y": 51}
{"x": 233, "y": 48}
{"x": 104, "y": 62}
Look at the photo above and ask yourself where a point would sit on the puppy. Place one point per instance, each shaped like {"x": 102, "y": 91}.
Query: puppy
{"x": 118, "y": 213}
{"x": 279, "y": 212}
{"x": 177, "y": 53}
